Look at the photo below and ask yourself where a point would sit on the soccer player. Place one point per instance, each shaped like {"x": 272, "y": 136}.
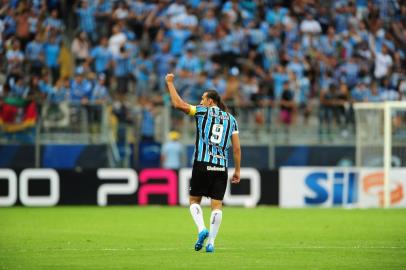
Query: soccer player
{"x": 216, "y": 128}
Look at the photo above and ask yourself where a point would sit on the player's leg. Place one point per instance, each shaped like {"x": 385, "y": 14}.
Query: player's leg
{"x": 215, "y": 222}
{"x": 197, "y": 215}
{"x": 198, "y": 189}
{"x": 217, "y": 194}
{"x": 197, "y": 212}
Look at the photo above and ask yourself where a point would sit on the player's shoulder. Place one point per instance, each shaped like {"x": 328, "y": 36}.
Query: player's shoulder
{"x": 231, "y": 116}
{"x": 197, "y": 110}
{"x": 200, "y": 109}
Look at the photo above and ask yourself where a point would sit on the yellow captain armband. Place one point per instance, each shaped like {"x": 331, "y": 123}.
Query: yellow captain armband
{"x": 192, "y": 110}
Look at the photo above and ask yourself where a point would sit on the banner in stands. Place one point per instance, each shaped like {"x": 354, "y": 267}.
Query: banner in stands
{"x": 337, "y": 186}
{"x": 50, "y": 187}
{"x": 17, "y": 114}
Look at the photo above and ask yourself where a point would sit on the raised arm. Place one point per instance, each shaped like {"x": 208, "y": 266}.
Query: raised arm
{"x": 235, "y": 140}
{"x": 176, "y": 100}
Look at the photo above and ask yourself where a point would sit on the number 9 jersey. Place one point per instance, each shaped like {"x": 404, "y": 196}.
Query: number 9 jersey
{"x": 214, "y": 128}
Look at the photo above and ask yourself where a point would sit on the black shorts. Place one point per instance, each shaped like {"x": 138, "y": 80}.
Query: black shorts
{"x": 208, "y": 180}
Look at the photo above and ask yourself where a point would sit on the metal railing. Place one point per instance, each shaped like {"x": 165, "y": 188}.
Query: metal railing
{"x": 264, "y": 126}
{"x": 93, "y": 124}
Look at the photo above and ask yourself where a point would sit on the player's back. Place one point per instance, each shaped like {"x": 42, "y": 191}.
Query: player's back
{"x": 214, "y": 128}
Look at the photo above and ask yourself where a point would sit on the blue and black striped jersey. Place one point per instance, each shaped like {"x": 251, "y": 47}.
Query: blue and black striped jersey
{"x": 214, "y": 128}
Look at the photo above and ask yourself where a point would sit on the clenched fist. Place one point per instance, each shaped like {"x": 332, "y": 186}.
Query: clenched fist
{"x": 169, "y": 77}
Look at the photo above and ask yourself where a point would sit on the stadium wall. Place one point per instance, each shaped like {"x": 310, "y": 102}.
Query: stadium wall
{"x": 288, "y": 187}
{"x": 339, "y": 187}
{"x": 50, "y": 187}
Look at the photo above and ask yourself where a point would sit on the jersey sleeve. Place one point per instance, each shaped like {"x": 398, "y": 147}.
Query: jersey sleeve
{"x": 235, "y": 127}
{"x": 198, "y": 110}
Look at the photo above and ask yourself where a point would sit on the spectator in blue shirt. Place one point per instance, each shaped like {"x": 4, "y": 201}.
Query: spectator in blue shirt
{"x": 104, "y": 7}
{"x": 56, "y": 111}
{"x": 60, "y": 92}
{"x": 53, "y": 23}
{"x": 276, "y": 14}
{"x": 102, "y": 16}
{"x": 350, "y": 70}
{"x": 255, "y": 35}
{"x": 80, "y": 88}
{"x": 18, "y": 88}
{"x": 296, "y": 66}
{"x": 347, "y": 46}
{"x": 87, "y": 20}
{"x": 209, "y": 22}
{"x": 302, "y": 96}
{"x": 270, "y": 50}
{"x": 360, "y": 93}
{"x": 279, "y": 78}
{"x": 328, "y": 42}
{"x": 148, "y": 122}
{"x": 295, "y": 51}
{"x": 341, "y": 18}
{"x": 230, "y": 43}
{"x": 374, "y": 94}
{"x": 127, "y": 31}
{"x": 100, "y": 96}
{"x": 389, "y": 92}
{"x": 178, "y": 36}
{"x": 34, "y": 53}
{"x": 139, "y": 9}
{"x": 189, "y": 64}
{"x": 132, "y": 48}
{"x": 44, "y": 86}
{"x": 143, "y": 68}
{"x": 101, "y": 57}
{"x": 15, "y": 58}
{"x": 188, "y": 67}
{"x": 209, "y": 46}
{"x": 122, "y": 69}
{"x": 51, "y": 51}
{"x": 33, "y": 19}
{"x": 10, "y": 24}
{"x": 163, "y": 64}
{"x": 172, "y": 152}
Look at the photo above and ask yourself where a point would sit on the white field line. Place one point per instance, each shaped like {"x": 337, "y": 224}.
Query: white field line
{"x": 178, "y": 249}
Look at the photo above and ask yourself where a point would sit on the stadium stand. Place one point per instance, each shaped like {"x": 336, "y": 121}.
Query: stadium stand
{"x": 92, "y": 71}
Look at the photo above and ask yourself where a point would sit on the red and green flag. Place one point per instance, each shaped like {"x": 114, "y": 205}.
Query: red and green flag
{"x": 17, "y": 114}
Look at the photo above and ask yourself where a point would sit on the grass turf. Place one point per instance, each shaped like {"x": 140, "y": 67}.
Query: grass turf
{"x": 163, "y": 238}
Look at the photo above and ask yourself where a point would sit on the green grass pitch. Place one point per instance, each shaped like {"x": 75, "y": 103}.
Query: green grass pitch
{"x": 163, "y": 238}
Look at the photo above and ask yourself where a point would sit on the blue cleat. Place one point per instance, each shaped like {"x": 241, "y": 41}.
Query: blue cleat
{"x": 210, "y": 248}
{"x": 201, "y": 237}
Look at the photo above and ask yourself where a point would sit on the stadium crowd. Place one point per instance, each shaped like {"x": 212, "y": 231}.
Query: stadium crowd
{"x": 294, "y": 56}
